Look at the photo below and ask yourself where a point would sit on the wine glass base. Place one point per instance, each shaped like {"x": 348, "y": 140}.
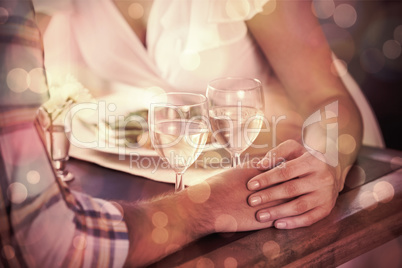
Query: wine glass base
{"x": 68, "y": 176}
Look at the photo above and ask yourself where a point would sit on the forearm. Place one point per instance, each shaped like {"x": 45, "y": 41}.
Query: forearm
{"x": 161, "y": 226}
{"x": 337, "y": 135}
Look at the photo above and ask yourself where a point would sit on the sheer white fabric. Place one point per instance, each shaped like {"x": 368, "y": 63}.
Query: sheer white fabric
{"x": 188, "y": 44}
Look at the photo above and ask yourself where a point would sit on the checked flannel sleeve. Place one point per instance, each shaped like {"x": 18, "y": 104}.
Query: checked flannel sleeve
{"x": 42, "y": 222}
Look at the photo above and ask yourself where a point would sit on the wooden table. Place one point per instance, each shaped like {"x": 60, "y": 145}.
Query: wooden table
{"x": 368, "y": 213}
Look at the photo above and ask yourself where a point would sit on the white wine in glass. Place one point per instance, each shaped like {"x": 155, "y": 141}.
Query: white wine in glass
{"x": 178, "y": 127}
{"x": 236, "y": 111}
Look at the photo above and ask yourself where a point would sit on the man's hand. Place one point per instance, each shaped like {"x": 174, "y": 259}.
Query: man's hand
{"x": 163, "y": 225}
{"x": 296, "y": 175}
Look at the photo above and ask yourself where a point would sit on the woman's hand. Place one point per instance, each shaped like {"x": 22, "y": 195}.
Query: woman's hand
{"x": 295, "y": 174}
{"x": 221, "y": 201}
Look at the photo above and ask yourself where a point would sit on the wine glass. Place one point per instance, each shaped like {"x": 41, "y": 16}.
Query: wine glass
{"x": 179, "y": 127}
{"x": 57, "y": 133}
{"x": 236, "y": 111}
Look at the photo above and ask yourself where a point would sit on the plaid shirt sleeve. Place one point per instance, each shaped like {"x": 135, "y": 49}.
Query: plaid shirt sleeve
{"x": 42, "y": 223}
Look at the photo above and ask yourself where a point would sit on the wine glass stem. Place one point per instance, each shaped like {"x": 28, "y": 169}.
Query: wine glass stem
{"x": 60, "y": 166}
{"x": 179, "y": 182}
{"x": 235, "y": 159}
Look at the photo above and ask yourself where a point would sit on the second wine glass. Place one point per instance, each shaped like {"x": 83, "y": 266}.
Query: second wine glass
{"x": 236, "y": 111}
{"x": 178, "y": 127}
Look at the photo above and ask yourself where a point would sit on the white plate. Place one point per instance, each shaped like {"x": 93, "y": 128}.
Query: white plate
{"x": 86, "y": 119}
{"x": 86, "y": 136}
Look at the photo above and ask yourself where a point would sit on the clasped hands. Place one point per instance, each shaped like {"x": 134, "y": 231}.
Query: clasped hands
{"x": 306, "y": 185}
{"x": 286, "y": 194}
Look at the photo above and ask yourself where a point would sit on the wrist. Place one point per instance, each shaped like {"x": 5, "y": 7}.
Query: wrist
{"x": 194, "y": 211}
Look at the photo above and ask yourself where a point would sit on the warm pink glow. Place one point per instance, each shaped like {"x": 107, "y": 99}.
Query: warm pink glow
{"x": 33, "y": 177}
{"x": 323, "y": 9}
{"x": 159, "y": 219}
{"x": 383, "y": 191}
{"x": 367, "y": 200}
{"x": 160, "y": 235}
{"x": 205, "y": 263}
{"x": 356, "y": 176}
{"x": 230, "y": 262}
{"x": 18, "y": 80}
{"x": 225, "y": 223}
{"x": 391, "y": 49}
{"x": 345, "y": 15}
{"x": 346, "y": 144}
{"x": 3, "y": 15}
{"x": 199, "y": 193}
{"x": 136, "y": 11}
{"x": 37, "y": 81}
{"x": 271, "y": 249}
{"x": 398, "y": 34}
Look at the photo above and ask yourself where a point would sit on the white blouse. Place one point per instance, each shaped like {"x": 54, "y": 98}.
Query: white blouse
{"x": 189, "y": 42}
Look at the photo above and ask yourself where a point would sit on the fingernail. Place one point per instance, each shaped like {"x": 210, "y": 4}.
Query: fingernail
{"x": 253, "y": 185}
{"x": 255, "y": 200}
{"x": 264, "y": 216}
{"x": 280, "y": 225}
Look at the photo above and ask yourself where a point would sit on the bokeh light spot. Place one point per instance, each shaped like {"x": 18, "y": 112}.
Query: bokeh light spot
{"x": 199, "y": 193}
{"x": 271, "y": 249}
{"x": 323, "y": 9}
{"x": 160, "y": 235}
{"x": 17, "y": 192}
{"x": 112, "y": 107}
{"x": 160, "y": 219}
{"x": 37, "y": 80}
{"x": 136, "y": 11}
{"x": 80, "y": 242}
{"x": 346, "y": 144}
{"x": 225, "y": 223}
{"x": 240, "y": 94}
{"x": 205, "y": 263}
{"x": 230, "y": 262}
{"x": 372, "y": 60}
{"x": 339, "y": 67}
{"x": 345, "y": 15}
{"x": 8, "y": 252}
{"x": 3, "y": 15}
{"x": 33, "y": 177}
{"x": 391, "y": 49}
{"x": 384, "y": 191}
{"x": 356, "y": 176}
{"x": 18, "y": 80}
{"x": 111, "y": 207}
{"x": 190, "y": 61}
{"x": 398, "y": 34}
{"x": 367, "y": 200}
